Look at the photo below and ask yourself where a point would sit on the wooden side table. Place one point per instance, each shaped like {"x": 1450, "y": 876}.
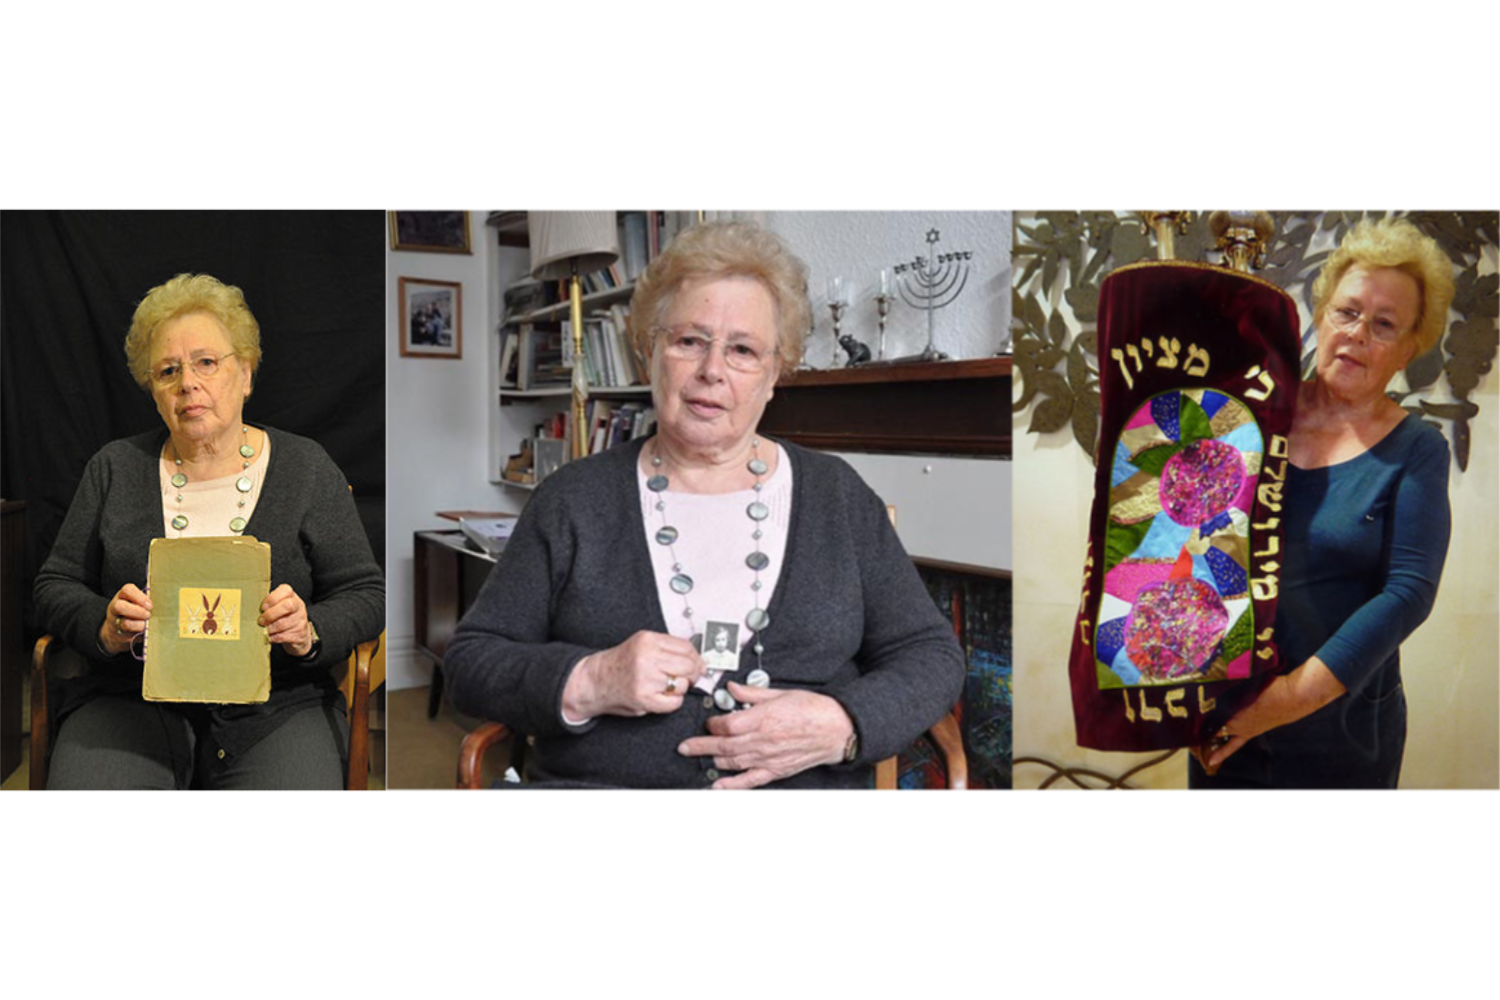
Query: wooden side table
{"x": 449, "y": 575}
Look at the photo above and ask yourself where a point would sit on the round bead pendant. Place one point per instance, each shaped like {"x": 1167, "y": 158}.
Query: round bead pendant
{"x": 757, "y": 619}
{"x": 758, "y": 511}
{"x": 179, "y": 480}
{"x": 247, "y": 451}
{"x": 666, "y": 535}
{"x": 758, "y": 467}
{"x": 179, "y": 522}
{"x": 758, "y": 679}
{"x": 238, "y": 524}
{"x": 682, "y": 583}
{"x": 243, "y": 484}
{"x": 656, "y": 483}
{"x": 724, "y": 700}
{"x": 757, "y": 561}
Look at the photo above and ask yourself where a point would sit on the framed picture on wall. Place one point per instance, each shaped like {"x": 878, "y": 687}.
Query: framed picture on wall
{"x": 430, "y": 232}
{"x": 431, "y": 318}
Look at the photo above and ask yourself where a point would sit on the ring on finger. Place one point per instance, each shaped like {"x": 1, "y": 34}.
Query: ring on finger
{"x": 672, "y": 682}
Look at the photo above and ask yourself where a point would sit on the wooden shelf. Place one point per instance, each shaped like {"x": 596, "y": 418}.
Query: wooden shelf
{"x": 557, "y": 312}
{"x": 932, "y": 408}
{"x": 906, "y": 371}
{"x": 510, "y": 228}
{"x": 565, "y": 389}
{"x": 989, "y": 572}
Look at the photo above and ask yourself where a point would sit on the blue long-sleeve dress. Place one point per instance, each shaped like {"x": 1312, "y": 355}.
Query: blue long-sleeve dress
{"x": 1365, "y": 544}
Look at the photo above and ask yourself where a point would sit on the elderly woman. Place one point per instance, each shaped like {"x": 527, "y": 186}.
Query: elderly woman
{"x": 1367, "y": 524}
{"x": 587, "y": 636}
{"x": 194, "y": 345}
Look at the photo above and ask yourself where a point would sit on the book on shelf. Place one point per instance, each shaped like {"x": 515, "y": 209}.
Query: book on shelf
{"x": 510, "y": 358}
{"x": 550, "y": 356}
{"x": 635, "y": 249}
{"x": 609, "y": 360}
{"x": 525, "y": 355}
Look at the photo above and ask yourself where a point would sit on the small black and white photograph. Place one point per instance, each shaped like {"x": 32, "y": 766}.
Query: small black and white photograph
{"x": 721, "y": 645}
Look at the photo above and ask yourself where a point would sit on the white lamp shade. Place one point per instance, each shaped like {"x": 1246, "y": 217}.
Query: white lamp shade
{"x": 561, "y": 240}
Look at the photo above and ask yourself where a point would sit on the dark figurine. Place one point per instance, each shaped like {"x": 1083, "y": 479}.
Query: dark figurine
{"x": 858, "y": 353}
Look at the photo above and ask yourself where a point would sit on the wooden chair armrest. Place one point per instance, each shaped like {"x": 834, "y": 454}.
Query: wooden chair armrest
{"x": 950, "y": 741}
{"x": 39, "y": 717}
{"x": 471, "y": 754}
{"x": 359, "y": 718}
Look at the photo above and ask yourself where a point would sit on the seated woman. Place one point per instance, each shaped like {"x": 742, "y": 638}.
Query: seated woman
{"x": 588, "y": 635}
{"x": 1367, "y": 524}
{"x": 194, "y": 345}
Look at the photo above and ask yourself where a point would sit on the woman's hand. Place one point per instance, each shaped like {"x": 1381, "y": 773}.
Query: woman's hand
{"x": 647, "y": 674}
{"x": 284, "y": 616}
{"x": 1288, "y": 698}
{"x": 124, "y": 619}
{"x": 782, "y": 733}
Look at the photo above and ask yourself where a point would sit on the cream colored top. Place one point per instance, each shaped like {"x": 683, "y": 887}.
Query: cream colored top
{"x": 212, "y": 504}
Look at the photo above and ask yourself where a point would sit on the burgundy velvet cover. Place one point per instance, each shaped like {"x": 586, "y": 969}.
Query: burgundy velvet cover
{"x": 1198, "y": 372}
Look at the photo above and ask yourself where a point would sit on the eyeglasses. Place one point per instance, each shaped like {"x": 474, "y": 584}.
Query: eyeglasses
{"x": 205, "y": 366}
{"x": 693, "y": 345}
{"x": 1382, "y": 328}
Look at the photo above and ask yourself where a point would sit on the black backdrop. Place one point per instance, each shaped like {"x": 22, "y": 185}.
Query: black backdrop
{"x": 70, "y": 281}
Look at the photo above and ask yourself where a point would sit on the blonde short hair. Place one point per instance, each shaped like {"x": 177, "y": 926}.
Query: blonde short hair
{"x": 726, "y": 250}
{"x": 191, "y": 293}
{"x": 1399, "y": 244}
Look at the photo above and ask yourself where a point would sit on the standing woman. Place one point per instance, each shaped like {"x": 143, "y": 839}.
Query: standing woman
{"x": 1367, "y": 525}
{"x": 194, "y": 345}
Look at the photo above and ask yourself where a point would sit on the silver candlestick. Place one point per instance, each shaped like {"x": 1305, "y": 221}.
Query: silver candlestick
{"x": 883, "y": 303}
{"x": 838, "y": 301}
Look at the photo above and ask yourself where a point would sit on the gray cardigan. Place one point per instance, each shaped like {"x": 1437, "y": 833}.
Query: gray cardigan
{"x": 850, "y": 618}
{"x": 317, "y": 544}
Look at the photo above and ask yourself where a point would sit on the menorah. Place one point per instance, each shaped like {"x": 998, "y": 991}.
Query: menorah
{"x": 933, "y": 287}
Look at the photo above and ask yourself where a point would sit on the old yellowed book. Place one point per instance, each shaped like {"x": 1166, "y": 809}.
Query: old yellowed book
{"x": 202, "y": 642}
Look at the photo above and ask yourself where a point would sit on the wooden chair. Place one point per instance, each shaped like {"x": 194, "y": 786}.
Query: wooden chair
{"x": 357, "y": 700}
{"x": 945, "y": 734}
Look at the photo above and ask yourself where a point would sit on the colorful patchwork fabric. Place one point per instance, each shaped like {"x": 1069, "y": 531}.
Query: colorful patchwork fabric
{"x": 1198, "y": 372}
{"x": 1176, "y": 576}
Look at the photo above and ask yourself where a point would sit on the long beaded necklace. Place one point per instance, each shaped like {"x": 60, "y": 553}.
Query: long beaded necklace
{"x": 244, "y": 484}
{"x": 681, "y": 583}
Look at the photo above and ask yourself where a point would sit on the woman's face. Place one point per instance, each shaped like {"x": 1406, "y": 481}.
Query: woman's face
{"x": 195, "y": 408}
{"x": 707, "y": 405}
{"x": 1353, "y": 361}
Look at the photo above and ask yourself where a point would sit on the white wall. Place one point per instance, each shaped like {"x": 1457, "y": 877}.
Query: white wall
{"x": 437, "y": 437}
{"x": 856, "y": 245}
{"x": 946, "y": 508}
{"x": 956, "y": 509}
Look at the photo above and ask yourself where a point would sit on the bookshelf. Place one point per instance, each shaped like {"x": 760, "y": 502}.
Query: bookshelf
{"x": 515, "y": 413}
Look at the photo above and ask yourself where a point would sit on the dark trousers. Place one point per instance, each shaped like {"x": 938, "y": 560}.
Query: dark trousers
{"x": 121, "y": 742}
